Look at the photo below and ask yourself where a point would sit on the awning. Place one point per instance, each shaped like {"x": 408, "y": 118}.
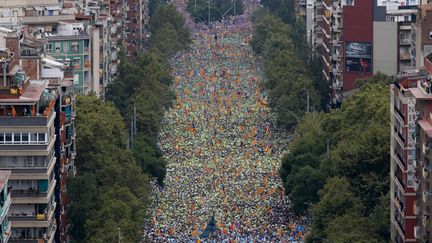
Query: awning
{"x": 39, "y": 8}
{"x": 52, "y": 63}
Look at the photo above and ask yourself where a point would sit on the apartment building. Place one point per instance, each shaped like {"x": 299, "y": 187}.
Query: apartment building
{"x": 346, "y": 44}
{"x": 27, "y": 139}
{"x": 5, "y": 202}
{"x": 411, "y": 133}
{"x": 36, "y": 137}
{"x": 421, "y": 36}
{"x": 136, "y": 27}
{"x": 73, "y": 44}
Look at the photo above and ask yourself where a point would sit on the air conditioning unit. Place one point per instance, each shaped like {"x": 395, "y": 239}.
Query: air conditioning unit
{"x": 417, "y": 232}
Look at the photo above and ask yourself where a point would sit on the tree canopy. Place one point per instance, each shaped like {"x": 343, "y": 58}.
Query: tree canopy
{"x": 350, "y": 144}
{"x": 199, "y": 9}
{"x": 165, "y": 24}
{"x": 288, "y": 81}
{"x": 144, "y": 85}
{"x": 109, "y": 191}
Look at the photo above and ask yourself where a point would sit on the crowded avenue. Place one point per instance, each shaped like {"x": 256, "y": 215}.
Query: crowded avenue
{"x": 222, "y": 147}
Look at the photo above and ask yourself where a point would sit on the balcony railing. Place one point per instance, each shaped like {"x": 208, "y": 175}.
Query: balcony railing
{"x": 26, "y": 120}
{"x": 28, "y": 217}
{"x": 399, "y": 112}
{"x": 5, "y": 207}
{"x": 29, "y": 193}
{"x": 400, "y": 158}
{"x": 399, "y": 135}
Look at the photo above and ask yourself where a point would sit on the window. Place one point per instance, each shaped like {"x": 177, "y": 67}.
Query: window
{"x": 41, "y": 137}
{"x": 25, "y": 137}
{"x": 33, "y": 137}
{"x": 74, "y": 47}
{"x": 430, "y": 35}
{"x": 66, "y": 47}
{"x": 57, "y": 46}
{"x": 17, "y": 137}
{"x": 49, "y": 47}
{"x": 2, "y": 138}
{"x": 8, "y": 137}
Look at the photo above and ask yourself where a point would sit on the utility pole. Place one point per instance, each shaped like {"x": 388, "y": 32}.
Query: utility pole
{"x": 132, "y": 132}
{"x": 195, "y": 8}
{"x": 234, "y": 8}
{"x": 119, "y": 235}
{"x": 307, "y": 108}
{"x": 135, "y": 120}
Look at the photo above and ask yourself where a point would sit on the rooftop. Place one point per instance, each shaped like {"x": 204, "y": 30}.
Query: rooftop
{"x": 30, "y": 95}
{"x": 426, "y": 126}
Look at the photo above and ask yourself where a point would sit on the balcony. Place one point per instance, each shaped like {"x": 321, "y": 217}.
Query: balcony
{"x": 400, "y": 136}
{"x": 7, "y": 234}
{"x": 30, "y": 192}
{"x": 427, "y": 196}
{"x": 416, "y": 208}
{"x": 5, "y": 208}
{"x": 425, "y": 172}
{"x": 405, "y": 41}
{"x": 400, "y": 160}
{"x": 33, "y": 195}
{"x": 37, "y": 220}
{"x": 399, "y": 112}
{"x": 27, "y": 121}
{"x": 399, "y": 205}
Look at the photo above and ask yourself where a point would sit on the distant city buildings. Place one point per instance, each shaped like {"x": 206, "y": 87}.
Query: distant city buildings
{"x": 358, "y": 38}
{"x": 50, "y": 51}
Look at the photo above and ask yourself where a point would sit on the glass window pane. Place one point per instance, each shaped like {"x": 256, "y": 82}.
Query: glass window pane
{"x": 2, "y": 137}
{"x": 25, "y": 137}
{"x": 8, "y": 137}
{"x": 41, "y": 137}
{"x": 17, "y": 137}
{"x": 33, "y": 137}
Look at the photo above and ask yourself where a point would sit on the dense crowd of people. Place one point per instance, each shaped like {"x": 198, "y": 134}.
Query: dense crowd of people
{"x": 222, "y": 148}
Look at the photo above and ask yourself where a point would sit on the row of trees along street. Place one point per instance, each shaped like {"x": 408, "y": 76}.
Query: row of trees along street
{"x": 202, "y": 10}
{"x": 338, "y": 164}
{"x": 111, "y": 190}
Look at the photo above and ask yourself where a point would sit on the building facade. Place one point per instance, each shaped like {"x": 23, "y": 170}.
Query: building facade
{"x": 36, "y": 138}
{"x": 5, "y": 202}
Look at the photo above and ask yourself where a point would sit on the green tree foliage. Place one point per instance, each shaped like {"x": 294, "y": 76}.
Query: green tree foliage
{"x": 350, "y": 143}
{"x": 110, "y": 191}
{"x": 264, "y": 28}
{"x": 336, "y": 199}
{"x": 283, "y": 9}
{"x": 145, "y": 86}
{"x": 351, "y": 227}
{"x": 168, "y": 30}
{"x": 199, "y": 9}
{"x": 287, "y": 79}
